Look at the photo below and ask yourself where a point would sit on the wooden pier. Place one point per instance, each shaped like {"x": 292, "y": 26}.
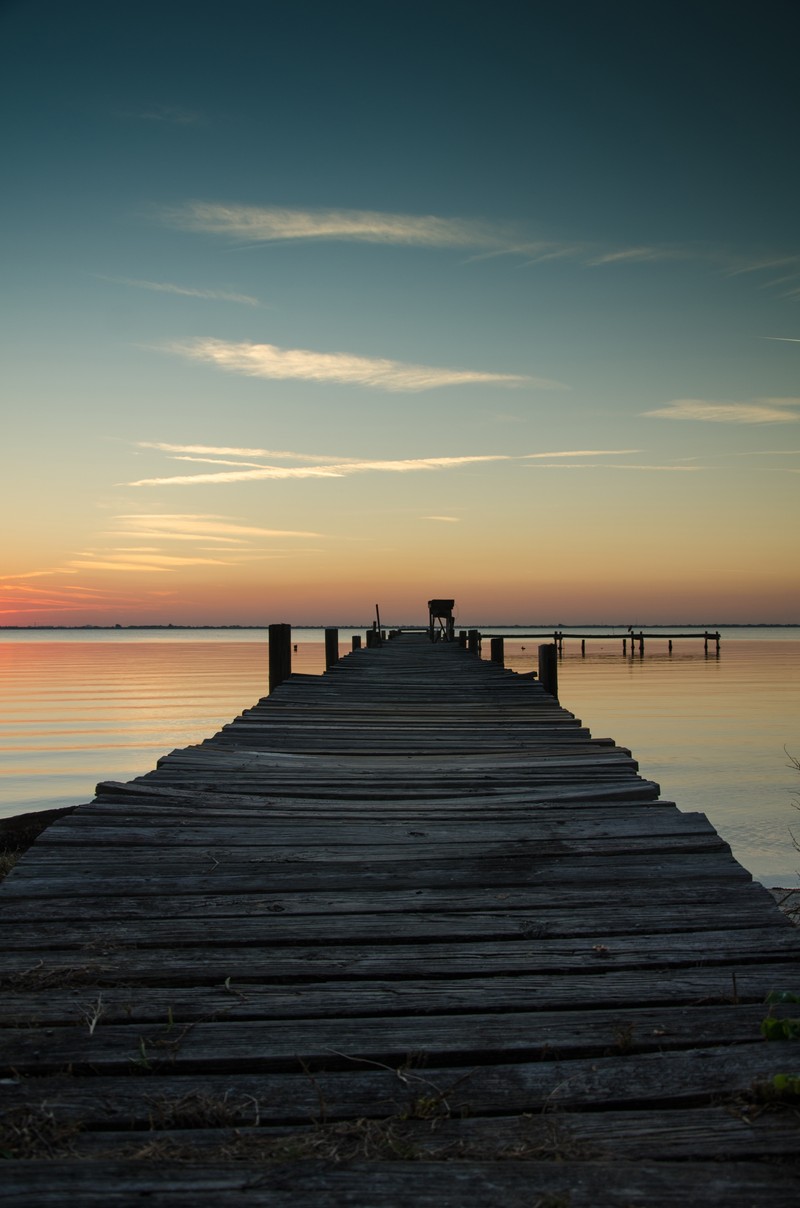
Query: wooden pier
{"x": 401, "y": 934}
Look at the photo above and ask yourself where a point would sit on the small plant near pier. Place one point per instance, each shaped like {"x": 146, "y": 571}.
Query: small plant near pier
{"x": 35, "y": 1132}
{"x": 7, "y": 861}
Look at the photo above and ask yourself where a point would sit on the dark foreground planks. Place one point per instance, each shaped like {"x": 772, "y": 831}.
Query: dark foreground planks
{"x": 401, "y": 934}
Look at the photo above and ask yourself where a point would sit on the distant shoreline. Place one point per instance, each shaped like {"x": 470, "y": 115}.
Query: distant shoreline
{"x": 709, "y": 625}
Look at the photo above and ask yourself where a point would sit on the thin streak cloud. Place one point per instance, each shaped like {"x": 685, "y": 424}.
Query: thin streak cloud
{"x": 150, "y": 560}
{"x": 227, "y": 451}
{"x": 584, "y": 453}
{"x": 760, "y": 411}
{"x": 203, "y": 525}
{"x": 37, "y": 574}
{"x": 302, "y": 364}
{"x": 248, "y": 225}
{"x": 167, "y": 287}
{"x": 560, "y": 465}
{"x": 640, "y": 255}
{"x": 340, "y": 471}
{"x": 272, "y": 224}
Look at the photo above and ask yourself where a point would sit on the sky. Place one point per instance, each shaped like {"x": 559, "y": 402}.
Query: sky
{"x": 311, "y": 306}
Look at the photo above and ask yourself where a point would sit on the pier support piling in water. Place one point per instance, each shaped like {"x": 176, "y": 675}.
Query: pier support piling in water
{"x": 548, "y": 668}
{"x": 331, "y": 647}
{"x": 280, "y": 654}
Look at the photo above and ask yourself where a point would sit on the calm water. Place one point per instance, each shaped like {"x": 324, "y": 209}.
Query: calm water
{"x": 84, "y": 706}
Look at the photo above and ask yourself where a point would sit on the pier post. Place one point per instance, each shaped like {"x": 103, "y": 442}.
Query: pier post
{"x": 462, "y": 638}
{"x": 641, "y": 643}
{"x": 280, "y": 654}
{"x": 497, "y": 651}
{"x": 583, "y": 647}
{"x": 548, "y": 668}
{"x": 331, "y": 647}
{"x": 474, "y": 641}
{"x": 356, "y": 641}
{"x": 624, "y": 645}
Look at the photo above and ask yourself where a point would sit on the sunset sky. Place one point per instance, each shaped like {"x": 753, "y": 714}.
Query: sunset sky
{"x": 308, "y": 306}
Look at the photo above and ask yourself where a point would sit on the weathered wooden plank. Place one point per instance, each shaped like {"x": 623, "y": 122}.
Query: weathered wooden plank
{"x": 630, "y": 1081}
{"x": 274, "y": 925}
{"x": 611, "y": 1135}
{"x": 413, "y": 958}
{"x": 49, "y": 877}
{"x": 321, "y": 1184}
{"x": 283, "y": 834}
{"x": 731, "y": 900}
{"x": 145, "y": 861}
{"x": 84, "y": 990}
{"x": 301, "y": 1044}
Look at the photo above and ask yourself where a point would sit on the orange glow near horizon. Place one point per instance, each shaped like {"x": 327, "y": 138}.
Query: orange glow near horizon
{"x": 310, "y": 599}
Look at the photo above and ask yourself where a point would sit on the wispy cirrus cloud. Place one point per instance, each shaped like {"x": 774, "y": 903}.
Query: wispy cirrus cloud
{"x": 783, "y": 339}
{"x": 302, "y": 364}
{"x": 584, "y": 453}
{"x": 638, "y": 255}
{"x": 254, "y": 224}
{"x": 765, "y": 453}
{"x": 570, "y": 465}
{"x": 759, "y": 411}
{"x": 212, "y": 540}
{"x": 200, "y": 526}
{"x": 342, "y": 470}
{"x": 38, "y": 574}
{"x": 229, "y": 451}
{"x": 184, "y": 291}
{"x": 146, "y": 563}
{"x": 273, "y": 224}
{"x": 443, "y": 519}
{"x": 244, "y": 470}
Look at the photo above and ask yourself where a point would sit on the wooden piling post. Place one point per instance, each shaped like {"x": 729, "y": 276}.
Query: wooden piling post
{"x": 356, "y": 641}
{"x": 624, "y": 645}
{"x": 670, "y": 646}
{"x": 462, "y": 638}
{"x": 548, "y": 668}
{"x": 474, "y": 641}
{"x": 583, "y": 647}
{"x": 331, "y": 647}
{"x": 498, "y": 655}
{"x": 641, "y": 643}
{"x": 280, "y": 654}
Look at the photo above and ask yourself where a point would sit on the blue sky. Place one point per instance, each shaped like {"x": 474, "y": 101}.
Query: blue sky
{"x": 307, "y": 303}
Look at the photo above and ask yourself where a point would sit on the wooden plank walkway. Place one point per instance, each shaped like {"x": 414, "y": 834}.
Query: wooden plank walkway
{"x": 401, "y": 934}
